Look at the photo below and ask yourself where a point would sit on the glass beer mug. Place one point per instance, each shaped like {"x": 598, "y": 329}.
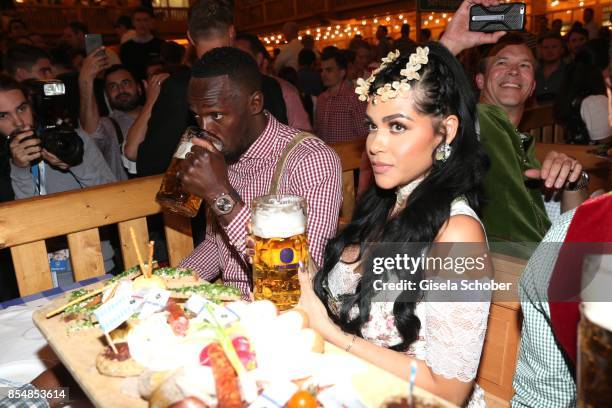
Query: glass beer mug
{"x": 279, "y": 229}
{"x": 171, "y": 195}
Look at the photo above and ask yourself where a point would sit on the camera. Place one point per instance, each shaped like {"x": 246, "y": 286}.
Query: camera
{"x": 53, "y": 123}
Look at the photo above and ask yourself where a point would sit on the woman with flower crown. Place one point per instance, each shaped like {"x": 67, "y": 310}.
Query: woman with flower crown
{"x": 428, "y": 167}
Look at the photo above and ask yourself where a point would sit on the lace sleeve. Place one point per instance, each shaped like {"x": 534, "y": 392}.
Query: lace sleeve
{"x": 454, "y": 334}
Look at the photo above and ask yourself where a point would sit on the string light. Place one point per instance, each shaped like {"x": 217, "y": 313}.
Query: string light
{"x": 348, "y": 28}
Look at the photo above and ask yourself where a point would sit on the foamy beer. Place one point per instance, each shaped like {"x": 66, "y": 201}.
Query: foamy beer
{"x": 595, "y": 355}
{"x": 279, "y": 227}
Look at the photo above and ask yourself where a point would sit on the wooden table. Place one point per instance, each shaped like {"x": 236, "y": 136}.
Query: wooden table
{"x": 78, "y": 352}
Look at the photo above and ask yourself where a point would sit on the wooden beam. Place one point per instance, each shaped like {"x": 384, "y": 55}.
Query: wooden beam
{"x": 178, "y": 237}
{"x": 86, "y": 254}
{"x": 32, "y": 267}
{"x": 21, "y": 221}
{"x": 128, "y": 250}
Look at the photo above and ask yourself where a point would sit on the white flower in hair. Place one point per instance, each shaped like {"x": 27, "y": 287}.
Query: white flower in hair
{"x": 390, "y": 91}
{"x": 392, "y": 56}
{"x": 363, "y": 88}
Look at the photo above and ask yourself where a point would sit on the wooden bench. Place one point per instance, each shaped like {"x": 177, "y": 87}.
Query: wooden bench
{"x": 350, "y": 159}
{"x": 540, "y": 123}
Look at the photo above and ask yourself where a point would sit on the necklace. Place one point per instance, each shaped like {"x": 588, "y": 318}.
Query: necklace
{"x": 403, "y": 192}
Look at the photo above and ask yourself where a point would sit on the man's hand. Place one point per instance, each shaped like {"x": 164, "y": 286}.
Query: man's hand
{"x": 204, "y": 171}
{"x": 25, "y": 151}
{"x": 53, "y": 160}
{"x": 557, "y": 169}
{"x": 93, "y": 64}
{"x": 153, "y": 86}
{"x": 457, "y": 35}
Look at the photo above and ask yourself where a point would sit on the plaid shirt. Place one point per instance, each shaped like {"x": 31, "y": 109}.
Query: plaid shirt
{"x": 542, "y": 378}
{"x": 312, "y": 171}
{"x": 341, "y": 116}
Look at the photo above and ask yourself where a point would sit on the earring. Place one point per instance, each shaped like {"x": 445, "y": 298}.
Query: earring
{"x": 443, "y": 152}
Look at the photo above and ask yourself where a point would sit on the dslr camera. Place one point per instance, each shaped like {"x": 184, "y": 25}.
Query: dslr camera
{"x": 54, "y": 126}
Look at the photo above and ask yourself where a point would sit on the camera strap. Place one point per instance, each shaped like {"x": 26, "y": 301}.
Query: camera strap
{"x": 39, "y": 174}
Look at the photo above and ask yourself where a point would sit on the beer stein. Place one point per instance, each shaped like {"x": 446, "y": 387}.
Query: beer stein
{"x": 279, "y": 229}
{"x": 171, "y": 196}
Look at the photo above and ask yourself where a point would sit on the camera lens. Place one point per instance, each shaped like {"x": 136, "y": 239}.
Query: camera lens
{"x": 65, "y": 144}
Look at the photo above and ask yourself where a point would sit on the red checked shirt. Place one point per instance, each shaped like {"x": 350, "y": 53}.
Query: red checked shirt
{"x": 312, "y": 171}
{"x": 341, "y": 116}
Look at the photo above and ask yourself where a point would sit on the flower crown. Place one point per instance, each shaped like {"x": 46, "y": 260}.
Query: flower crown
{"x": 390, "y": 91}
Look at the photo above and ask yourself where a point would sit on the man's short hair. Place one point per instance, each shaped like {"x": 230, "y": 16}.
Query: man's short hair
{"x": 255, "y": 45}
{"x": 337, "y": 55}
{"x": 23, "y": 56}
{"x": 124, "y": 21}
{"x": 550, "y": 36}
{"x": 208, "y": 17}
{"x": 578, "y": 30}
{"x": 239, "y": 66}
{"x": 117, "y": 67}
{"x": 145, "y": 10}
{"x": 306, "y": 58}
{"x": 78, "y": 27}
{"x": 493, "y": 50}
{"x": 357, "y": 43}
{"x": 8, "y": 83}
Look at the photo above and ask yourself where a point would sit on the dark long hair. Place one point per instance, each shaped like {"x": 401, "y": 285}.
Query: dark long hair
{"x": 443, "y": 90}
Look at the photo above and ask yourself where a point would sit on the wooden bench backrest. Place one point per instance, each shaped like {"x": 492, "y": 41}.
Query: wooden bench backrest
{"x": 350, "y": 157}
{"x": 500, "y": 351}
{"x": 540, "y": 123}
{"x": 25, "y": 224}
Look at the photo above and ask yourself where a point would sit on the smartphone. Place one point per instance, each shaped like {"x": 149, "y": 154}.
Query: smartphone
{"x": 92, "y": 42}
{"x": 505, "y": 17}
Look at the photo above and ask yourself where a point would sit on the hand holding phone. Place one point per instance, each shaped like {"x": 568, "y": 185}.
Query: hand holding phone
{"x": 503, "y": 17}
{"x": 92, "y": 42}
{"x": 457, "y": 36}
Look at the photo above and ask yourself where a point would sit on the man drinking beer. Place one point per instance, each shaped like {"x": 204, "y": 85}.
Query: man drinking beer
{"x": 225, "y": 93}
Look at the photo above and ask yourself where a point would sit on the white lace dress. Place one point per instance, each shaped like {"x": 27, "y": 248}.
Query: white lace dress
{"x": 452, "y": 333}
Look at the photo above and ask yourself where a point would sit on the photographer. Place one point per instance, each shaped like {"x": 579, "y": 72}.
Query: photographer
{"x": 31, "y": 176}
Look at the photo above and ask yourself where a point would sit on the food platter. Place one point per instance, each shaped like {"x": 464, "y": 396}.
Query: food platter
{"x": 78, "y": 352}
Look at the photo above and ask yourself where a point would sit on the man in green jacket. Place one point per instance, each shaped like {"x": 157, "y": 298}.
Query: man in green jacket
{"x": 514, "y": 210}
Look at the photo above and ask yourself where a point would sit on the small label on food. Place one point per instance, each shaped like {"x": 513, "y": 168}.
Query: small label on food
{"x": 116, "y": 311}
{"x": 203, "y": 309}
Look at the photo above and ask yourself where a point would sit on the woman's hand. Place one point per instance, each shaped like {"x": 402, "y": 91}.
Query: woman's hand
{"x": 310, "y": 303}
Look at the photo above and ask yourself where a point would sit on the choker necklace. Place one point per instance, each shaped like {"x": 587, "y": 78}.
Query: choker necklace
{"x": 403, "y": 192}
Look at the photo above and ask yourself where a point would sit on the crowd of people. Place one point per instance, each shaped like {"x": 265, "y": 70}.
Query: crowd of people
{"x": 444, "y": 159}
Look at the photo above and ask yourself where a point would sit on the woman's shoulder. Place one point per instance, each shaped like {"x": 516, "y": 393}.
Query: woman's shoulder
{"x": 463, "y": 224}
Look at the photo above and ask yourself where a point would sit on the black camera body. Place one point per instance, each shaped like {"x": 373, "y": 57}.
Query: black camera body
{"x": 54, "y": 125}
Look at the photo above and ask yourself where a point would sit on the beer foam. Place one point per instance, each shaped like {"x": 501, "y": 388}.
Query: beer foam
{"x": 599, "y": 313}
{"x": 278, "y": 223}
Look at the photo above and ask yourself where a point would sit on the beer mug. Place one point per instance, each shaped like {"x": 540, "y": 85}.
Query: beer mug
{"x": 279, "y": 229}
{"x": 171, "y": 196}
